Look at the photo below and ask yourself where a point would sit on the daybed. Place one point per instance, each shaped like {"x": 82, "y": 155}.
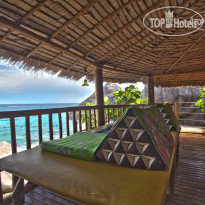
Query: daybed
{"x": 91, "y": 182}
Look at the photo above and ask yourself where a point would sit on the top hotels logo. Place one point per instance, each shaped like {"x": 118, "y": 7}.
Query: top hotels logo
{"x": 173, "y": 21}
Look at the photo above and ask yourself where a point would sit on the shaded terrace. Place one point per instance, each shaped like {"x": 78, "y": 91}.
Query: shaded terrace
{"x": 108, "y": 39}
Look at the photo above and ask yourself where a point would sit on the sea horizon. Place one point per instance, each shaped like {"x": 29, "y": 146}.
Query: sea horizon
{"x": 32, "y": 106}
{"x": 5, "y": 134}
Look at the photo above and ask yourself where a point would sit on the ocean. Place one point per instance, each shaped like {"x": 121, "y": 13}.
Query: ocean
{"x": 5, "y": 134}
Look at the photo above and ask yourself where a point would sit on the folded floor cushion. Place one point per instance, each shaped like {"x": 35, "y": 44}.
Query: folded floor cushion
{"x": 169, "y": 116}
{"x": 140, "y": 139}
{"x": 80, "y": 145}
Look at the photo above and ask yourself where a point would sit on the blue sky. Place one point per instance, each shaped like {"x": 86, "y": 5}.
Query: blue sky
{"x": 25, "y": 87}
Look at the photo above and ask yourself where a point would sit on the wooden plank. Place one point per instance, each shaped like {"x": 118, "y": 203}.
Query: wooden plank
{"x": 13, "y": 135}
{"x": 80, "y": 121}
{"x": 113, "y": 114}
{"x": 13, "y": 145}
{"x": 95, "y": 121}
{"x": 1, "y": 191}
{"x": 5, "y": 36}
{"x": 50, "y": 117}
{"x": 40, "y": 136}
{"x": 67, "y": 124}
{"x": 17, "y": 198}
{"x": 108, "y": 115}
{"x": 118, "y": 113}
{"x": 74, "y": 122}
{"x": 90, "y": 119}
{"x": 86, "y": 120}
{"x": 28, "y": 133}
{"x": 60, "y": 125}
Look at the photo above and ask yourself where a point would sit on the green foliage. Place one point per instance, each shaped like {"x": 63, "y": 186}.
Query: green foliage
{"x": 131, "y": 95}
{"x": 201, "y": 102}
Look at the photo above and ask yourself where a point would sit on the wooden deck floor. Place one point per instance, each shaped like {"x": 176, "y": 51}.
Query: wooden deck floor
{"x": 189, "y": 179}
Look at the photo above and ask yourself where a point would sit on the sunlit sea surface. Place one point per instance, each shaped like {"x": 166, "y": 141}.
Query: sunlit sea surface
{"x": 5, "y": 134}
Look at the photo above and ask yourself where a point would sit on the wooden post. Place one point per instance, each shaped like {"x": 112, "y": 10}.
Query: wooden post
{"x": 1, "y": 191}
{"x": 18, "y": 199}
{"x": 150, "y": 89}
{"x": 177, "y": 110}
{"x": 99, "y": 95}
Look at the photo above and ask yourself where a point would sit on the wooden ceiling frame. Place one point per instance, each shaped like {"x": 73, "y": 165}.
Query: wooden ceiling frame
{"x": 11, "y": 25}
{"x": 101, "y": 22}
{"x": 185, "y": 52}
{"x": 75, "y": 17}
{"x": 70, "y": 21}
{"x": 167, "y": 75}
{"x": 124, "y": 27}
{"x": 191, "y": 60}
{"x": 36, "y": 8}
{"x": 163, "y": 57}
{"x": 149, "y": 33}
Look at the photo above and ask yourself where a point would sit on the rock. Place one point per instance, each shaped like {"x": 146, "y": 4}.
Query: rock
{"x": 182, "y": 94}
{"x": 108, "y": 89}
{"x": 5, "y": 150}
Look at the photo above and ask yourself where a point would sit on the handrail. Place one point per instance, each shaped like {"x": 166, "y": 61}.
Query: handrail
{"x": 24, "y": 113}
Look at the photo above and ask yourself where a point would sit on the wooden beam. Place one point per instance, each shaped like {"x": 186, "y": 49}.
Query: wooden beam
{"x": 147, "y": 35}
{"x": 101, "y": 22}
{"x": 5, "y": 36}
{"x": 34, "y": 50}
{"x": 197, "y": 53}
{"x": 127, "y": 71}
{"x": 99, "y": 95}
{"x": 150, "y": 88}
{"x": 11, "y": 25}
{"x": 164, "y": 57}
{"x": 179, "y": 74}
{"x": 1, "y": 190}
{"x": 17, "y": 198}
{"x": 141, "y": 56}
{"x": 124, "y": 43}
{"x": 57, "y": 56}
{"x": 36, "y": 8}
{"x": 70, "y": 21}
{"x": 125, "y": 26}
{"x": 187, "y": 50}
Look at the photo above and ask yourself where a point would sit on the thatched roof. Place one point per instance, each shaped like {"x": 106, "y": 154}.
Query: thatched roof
{"x": 67, "y": 36}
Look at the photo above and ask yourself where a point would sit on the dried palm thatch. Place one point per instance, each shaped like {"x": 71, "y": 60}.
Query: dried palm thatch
{"x": 67, "y": 36}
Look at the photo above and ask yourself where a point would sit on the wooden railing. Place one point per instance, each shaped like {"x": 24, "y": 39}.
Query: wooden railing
{"x": 73, "y": 115}
{"x": 76, "y": 119}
